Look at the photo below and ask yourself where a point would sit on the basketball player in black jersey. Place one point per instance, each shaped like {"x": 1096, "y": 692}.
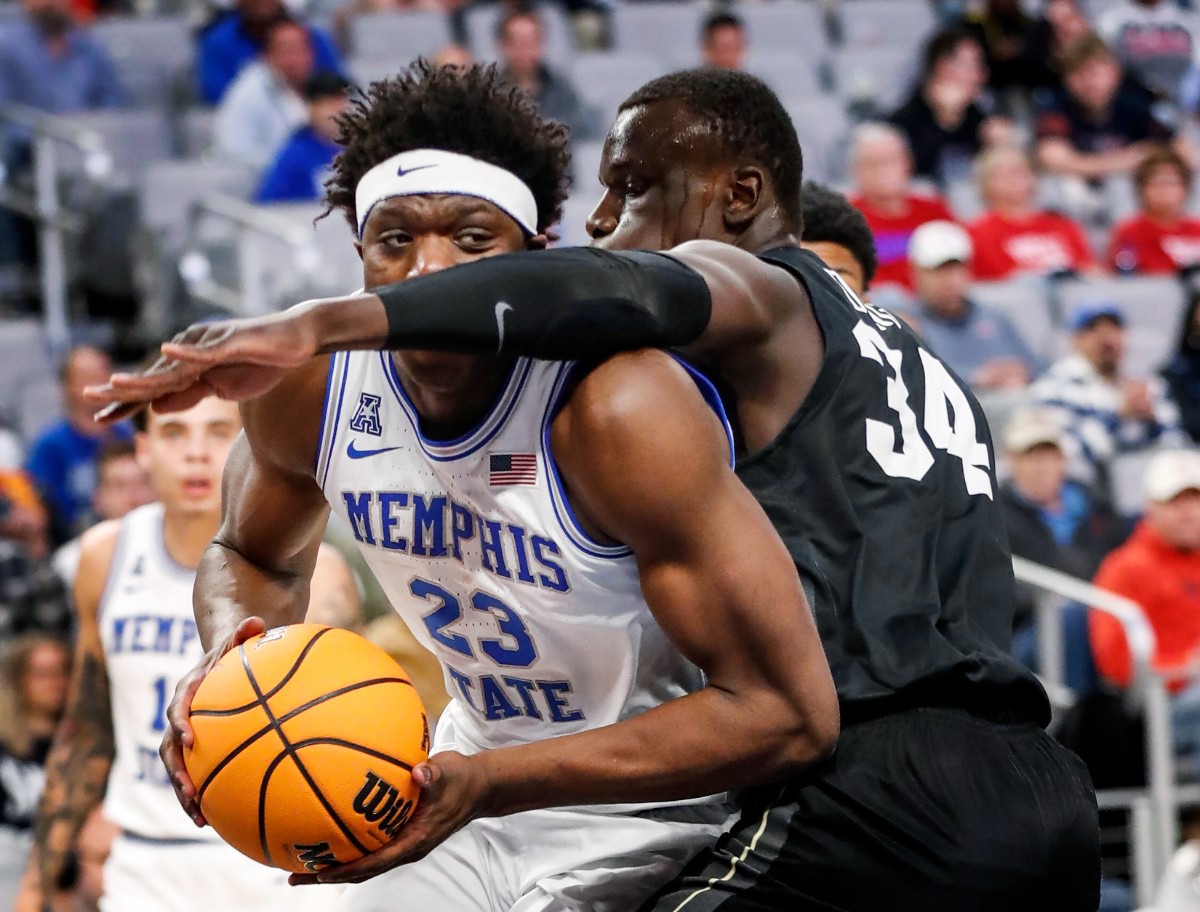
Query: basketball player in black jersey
{"x": 872, "y": 459}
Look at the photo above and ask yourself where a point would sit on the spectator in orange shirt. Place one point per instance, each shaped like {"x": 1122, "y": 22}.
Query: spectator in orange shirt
{"x": 1159, "y": 568}
{"x": 1162, "y": 238}
{"x": 882, "y": 169}
{"x": 1013, "y": 236}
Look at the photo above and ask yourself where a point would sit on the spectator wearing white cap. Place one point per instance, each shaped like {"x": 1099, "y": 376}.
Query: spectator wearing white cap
{"x": 1159, "y": 568}
{"x": 979, "y": 344}
{"x": 1053, "y": 521}
{"x": 1105, "y": 411}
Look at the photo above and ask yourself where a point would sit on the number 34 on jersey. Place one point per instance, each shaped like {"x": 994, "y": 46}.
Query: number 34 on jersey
{"x": 946, "y": 416}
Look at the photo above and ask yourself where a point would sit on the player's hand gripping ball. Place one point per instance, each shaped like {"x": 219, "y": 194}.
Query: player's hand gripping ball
{"x": 305, "y": 740}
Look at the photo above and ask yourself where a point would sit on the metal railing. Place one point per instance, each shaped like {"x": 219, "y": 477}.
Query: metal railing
{"x": 252, "y": 225}
{"x": 1153, "y": 811}
{"x": 48, "y": 134}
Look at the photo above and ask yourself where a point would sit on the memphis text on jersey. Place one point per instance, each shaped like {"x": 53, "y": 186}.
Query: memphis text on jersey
{"x": 440, "y": 528}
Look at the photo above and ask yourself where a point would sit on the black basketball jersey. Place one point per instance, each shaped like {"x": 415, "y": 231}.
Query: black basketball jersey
{"x": 882, "y": 486}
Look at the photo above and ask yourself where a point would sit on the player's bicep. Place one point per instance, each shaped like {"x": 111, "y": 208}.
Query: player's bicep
{"x": 747, "y": 295}
{"x": 654, "y": 473}
{"x": 271, "y": 516}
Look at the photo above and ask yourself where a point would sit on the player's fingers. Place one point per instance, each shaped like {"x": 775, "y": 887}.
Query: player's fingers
{"x": 172, "y": 758}
{"x": 250, "y": 627}
{"x": 182, "y": 400}
{"x": 426, "y": 775}
{"x": 117, "y": 411}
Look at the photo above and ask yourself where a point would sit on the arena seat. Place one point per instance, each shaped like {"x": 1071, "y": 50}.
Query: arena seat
{"x": 661, "y": 29}
{"x": 789, "y": 74}
{"x": 149, "y": 55}
{"x": 24, "y": 356}
{"x": 794, "y": 26}
{"x": 585, "y": 165}
{"x": 134, "y": 139}
{"x": 1024, "y": 302}
{"x": 824, "y": 130}
{"x": 167, "y": 190}
{"x": 867, "y": 25}
{"x": 398, "y": 37}
{"x": 883, "y": 76}
{"x": 571, "y": 230}
{"x": 605, "y": 80}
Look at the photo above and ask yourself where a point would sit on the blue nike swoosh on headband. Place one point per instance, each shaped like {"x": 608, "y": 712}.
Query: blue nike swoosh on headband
{"x": 402, "y": 171}
{"x": 355, "y": 453}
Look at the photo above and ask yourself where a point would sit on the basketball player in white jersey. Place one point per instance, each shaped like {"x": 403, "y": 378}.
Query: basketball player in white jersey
{"x": 137, "y": 637}
{"x": 507, "y": 508}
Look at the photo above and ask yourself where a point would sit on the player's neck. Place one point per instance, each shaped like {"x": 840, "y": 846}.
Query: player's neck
{"x": 766, "y": 233}
{"x": 450, "y": 405}
{"x": 186, "y": 536}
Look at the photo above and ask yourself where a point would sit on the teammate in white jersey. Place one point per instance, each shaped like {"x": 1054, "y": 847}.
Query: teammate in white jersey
{"x": 617, "y": 622}
{"x": 137, "y": 637}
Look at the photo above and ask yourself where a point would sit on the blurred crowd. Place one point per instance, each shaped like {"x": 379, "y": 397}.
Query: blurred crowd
{"x": 1029, "y": 200}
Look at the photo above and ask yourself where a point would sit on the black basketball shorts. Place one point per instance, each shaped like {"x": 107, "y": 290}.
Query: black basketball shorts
{"x": 928, "y": 810}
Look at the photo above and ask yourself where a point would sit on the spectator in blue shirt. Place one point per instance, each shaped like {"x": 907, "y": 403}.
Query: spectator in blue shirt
{"x": 62, "y": 459}
{"x": 981, "y": 346}
{"x": 47, "y": 63}
{"x": 236, "y": 39}
{"x": 298, "y": 172}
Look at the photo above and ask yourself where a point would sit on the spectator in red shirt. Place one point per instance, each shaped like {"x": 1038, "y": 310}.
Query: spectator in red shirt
{"x": 1162, "y": 238}
{"x": 1159, "y": 568}
{"x": 1013, "y": 236}
{"x": 883, "y": 192}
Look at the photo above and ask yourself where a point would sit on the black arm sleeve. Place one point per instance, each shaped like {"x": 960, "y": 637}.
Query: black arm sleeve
{"x": 553, "y": 304}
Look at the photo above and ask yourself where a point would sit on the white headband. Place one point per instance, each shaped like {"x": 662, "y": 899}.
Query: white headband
{"x": 434, "y": 171}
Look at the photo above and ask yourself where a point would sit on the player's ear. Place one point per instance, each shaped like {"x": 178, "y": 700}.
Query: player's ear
{"x": 537, "y": 242}
{"x": 743, "y": 195}
{"x": 358, "y": 248}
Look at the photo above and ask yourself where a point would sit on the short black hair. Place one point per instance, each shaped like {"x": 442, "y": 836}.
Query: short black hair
{"x": 326, "y": 85}
{"x": 471, "y": 111}
{"x": 746, "y": 116}
{"x": 113, "y": 450}
{"x": 520, "y": 11}
{"x": 714, "y": 21}
{"x": 829, "y": 217}
{"x": 943, "y": 44}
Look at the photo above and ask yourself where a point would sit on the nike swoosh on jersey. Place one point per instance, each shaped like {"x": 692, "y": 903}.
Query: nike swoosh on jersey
{"x": 501, "y": 309}
{"x": 354, "y": 453}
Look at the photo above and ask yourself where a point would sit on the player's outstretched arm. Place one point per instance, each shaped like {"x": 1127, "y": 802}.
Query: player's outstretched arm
{"x": 256, "y": 572}
{"x": 647, "y": 463}
{"x": 557, "y": 304}
{"x": 82, "y": 754}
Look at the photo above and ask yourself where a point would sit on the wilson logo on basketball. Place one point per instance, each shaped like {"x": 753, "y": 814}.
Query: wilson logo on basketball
{"x": 316, "y": 856}
{"x": 379, "y": 803}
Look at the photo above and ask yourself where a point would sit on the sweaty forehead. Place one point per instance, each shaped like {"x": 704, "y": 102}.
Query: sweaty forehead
{"x": 663, "y": 132}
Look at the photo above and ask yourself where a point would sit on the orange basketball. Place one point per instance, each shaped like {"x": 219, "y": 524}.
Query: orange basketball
{"x": 305, "y": 740}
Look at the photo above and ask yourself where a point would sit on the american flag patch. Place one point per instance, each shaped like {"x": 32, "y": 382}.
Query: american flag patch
{"x": 512, "y": 469}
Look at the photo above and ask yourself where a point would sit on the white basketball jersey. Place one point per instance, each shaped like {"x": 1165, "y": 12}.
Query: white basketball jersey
{"x": 150, "y": 642}
{"x": 541, "y": 631}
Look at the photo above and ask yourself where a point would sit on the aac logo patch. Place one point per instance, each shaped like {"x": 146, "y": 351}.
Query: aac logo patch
{"x": 366, "y": 416}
